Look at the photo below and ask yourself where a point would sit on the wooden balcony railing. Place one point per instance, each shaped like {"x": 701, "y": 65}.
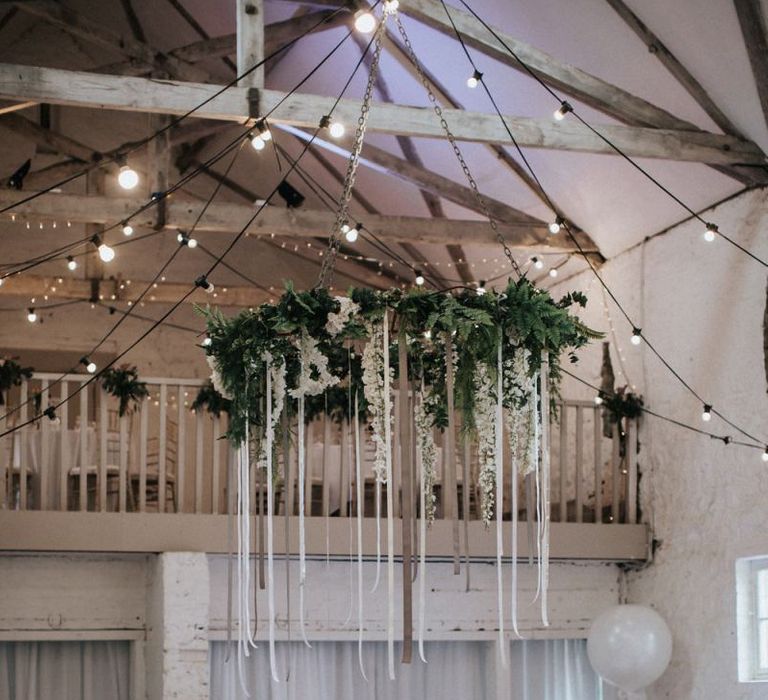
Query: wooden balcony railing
{"x": 164, "y": 457}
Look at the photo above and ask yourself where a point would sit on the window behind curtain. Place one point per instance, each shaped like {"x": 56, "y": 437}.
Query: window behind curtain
{"x": 91, "y": 670}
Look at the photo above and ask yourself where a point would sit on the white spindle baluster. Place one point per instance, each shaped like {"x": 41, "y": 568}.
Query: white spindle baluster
{"x": 563, "y": 462}
{"x": 103, "y": 426}
{"x": 162, "y": 448}
{"x": 579, "y": 463}
{"x": 631, "y": 471}
{"x": 143, "y": 438}
{"x": 123, "y": 473}
{"x": 64, "y": 434}
{"x": 598, "y": 457}
{"x": 181, "y": 451}
{"x": 84, "y": 461}
{"x": 199, "y": 428}
{"x": 45, "y": 451}
{"x": 23, "y": 451}
{"x": 215, "y": 467}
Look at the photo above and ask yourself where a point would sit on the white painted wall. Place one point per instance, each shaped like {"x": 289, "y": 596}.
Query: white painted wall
{"x": 702, "y": 306}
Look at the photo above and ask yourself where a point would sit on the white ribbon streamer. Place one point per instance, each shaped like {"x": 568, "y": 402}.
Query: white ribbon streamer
{"x": 270, "y": 506}
{"x": 359, "y": 487}
{"x": 514, "y": 478}
{"x": 499, "y": 457}
{"x": 422, "y": 544}
{"x": 302, "y": 539}
{"x": 378, "y": 536}
{"x": 545, "y": 489}
{"x": 390, "y": 507}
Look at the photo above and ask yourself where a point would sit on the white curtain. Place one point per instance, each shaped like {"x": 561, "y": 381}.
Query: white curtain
{"x": 537, "y": 670}
{"x": 65, "y": 670}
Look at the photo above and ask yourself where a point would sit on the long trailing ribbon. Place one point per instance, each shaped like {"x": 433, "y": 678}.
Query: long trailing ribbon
{"x": 359, "y": 488}
{"x": 390, "y": 506}
{"x": 378, "y": 535}
{"x": 514, "y": 428}
{"x": 422, "y": 544}
{"x": 270, "y": 514}
{"x": 407, "y": 499}
{"x": 545, "y": 489}
{"x": 499, "y": 458}
{"x": 286, "y": 419}
{"x": 301, "y": 452}
{"x": 450, "y": 479}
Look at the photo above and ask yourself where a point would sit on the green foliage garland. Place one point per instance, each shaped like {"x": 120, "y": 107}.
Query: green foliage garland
{"x": 522, "y": 315}
{"x": 123, "y": 383}
{"x": 11, "y": 374}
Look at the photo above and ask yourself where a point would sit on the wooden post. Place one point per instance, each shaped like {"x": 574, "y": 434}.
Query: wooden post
{"x": 250, "y": 42}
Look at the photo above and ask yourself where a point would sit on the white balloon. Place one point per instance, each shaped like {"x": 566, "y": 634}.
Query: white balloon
{"x": 629, "y": 646}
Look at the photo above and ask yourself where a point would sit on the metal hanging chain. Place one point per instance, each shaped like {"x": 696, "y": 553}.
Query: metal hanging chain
{"x": 342, "y": 215}
{"x": 457, "y": 151}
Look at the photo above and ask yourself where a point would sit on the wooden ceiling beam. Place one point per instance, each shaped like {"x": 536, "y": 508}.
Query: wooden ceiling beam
{"x": 753, "y": 29}
{"x": 171, "y": 97}
{"x": 292, "y": 223}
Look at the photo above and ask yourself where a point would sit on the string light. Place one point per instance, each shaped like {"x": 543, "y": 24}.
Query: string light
{"x": 474, "y": 79}
{"x": 553, "y": 272}
{"x": 336, "y": 130}
{"x": 207, "y": 342}
{"x": 258, "y": 143}
{"x": 538, "y": 264}
{"x": 764, "y": 456}
{"x": 31, "y": 315}
{"x": 365, "y": 22}
{"x": 263, "y": 129}
{"x": 636, "y": 336}
{"x": 419, "y": 278}
{"x": 71, "y": 263}
{"x": 90, "y": 365}
{"x": 706, "y": 414}
{"x": 598, "y": 400}
{"x": 106, "y": 253}
{"x": 128, "y": 178}
{"x": 554, "y": 227}
{"x": 184, "y": 239}
{"x": 127, "y": 229}
{"x": 562, "y": 110}
{"x": 710, "y": 233}
{"x": 351, "y": 234}
{"x": 481, "y": 288}
{"x": 203, "y": 283}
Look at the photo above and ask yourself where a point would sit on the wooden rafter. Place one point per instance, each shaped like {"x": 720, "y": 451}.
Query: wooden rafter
{"x": 171, "y": 97}
{"x": 295, "y": 223}
{"x": 657, "y": 47}
{"x": 753, "y": 28}
{"x": 192, "y": 22}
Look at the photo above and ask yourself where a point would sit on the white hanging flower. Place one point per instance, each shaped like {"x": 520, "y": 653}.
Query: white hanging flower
{"x": 425, "y": 443}
{"x": 277, "y": 374}
{"x": 373, "y": 386}
{"x": 522, "y": 413}
{"x": 313, "y": 362}
{"x": 485, "y": 424}
{"x": 216, "y": 380}
{"x": 337, "y": 320}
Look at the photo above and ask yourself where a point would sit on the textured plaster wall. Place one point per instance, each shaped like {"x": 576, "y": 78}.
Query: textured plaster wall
{"x": 702, "y": 306}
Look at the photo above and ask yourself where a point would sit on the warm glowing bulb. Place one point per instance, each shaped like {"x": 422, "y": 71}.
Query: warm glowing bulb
{"x": 553, "y": 272}
{"x": 764, "y": 456}
{"x": 206, "y": 342}
{"x": 258, "y": 143}
{"x": 365, "y": 22}
{"x": 598, "y": 400}
{"x": 266, "y": 134}
{"x": 554, "y": 226}
{"x": 106, "y": 253}
{"x": 31, "y": 316}
{"x": 710, "y": 233}
{"x": 209, "y": 289}
{"x": 336, "y": 130}
{"x": 127, "y": 230}
{"x": 481, "y": 288}
{"x": 192, "y": 243}
{"x": 561, "y": 111}
{"x": 472, "y": 81}
{"x": 706, "y": 415}
{"x": 91, "y": 367}
{"x": 636, "y": 338}
{"x": 419, "y": 279}
{"x": 351, "y": 234}
{"x": 538, "y": 264}
{"x": 128, "y": 178}
{"x": 71, "y": 263}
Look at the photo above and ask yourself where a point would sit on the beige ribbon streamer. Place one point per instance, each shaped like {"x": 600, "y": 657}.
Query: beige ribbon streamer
{"x": 406, "y": 479}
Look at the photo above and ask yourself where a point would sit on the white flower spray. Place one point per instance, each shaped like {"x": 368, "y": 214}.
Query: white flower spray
{"x": 373, "y": 387}
{"x": 485, "y": 426}
{"x": 425, "y": 443}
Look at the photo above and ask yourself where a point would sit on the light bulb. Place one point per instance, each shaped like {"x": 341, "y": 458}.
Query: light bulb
{"x": 365, "y": 22}
{"x": 764, "y": 456}
{"x": 31, "y": 315}
{"x": 554, "y": 226}
{"x": 538, "y": 264}
{"x": 264, "y": 132}
{"x": 706, "y": 415}
{"x": 636, "y": 337}
{"x": 391, "y": 6}
{"x": 419, "y": 278}
{"x": 192, "y": 243}
{"x": 351, "y": 234}
{"x": 127, "y": 230}
{"x": 206, "y": 342}
{"x": 553, "y": 272}
{"x": 128, "y": 178}
{"x": 106, "y": 253}
{"x": 336, "y": 130}
{"x": 71, "y": 263}
{"x": 481, "y": 288}
{"x": 474, "y": 79}
{"x": 598, "y": 400}
{"x": 428, "y": 335}
{"x": 258, "y": 143}
{"x": 562, "y": 110}
{"x": 91, "y": 367}
{"x": 710, "y": 233}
